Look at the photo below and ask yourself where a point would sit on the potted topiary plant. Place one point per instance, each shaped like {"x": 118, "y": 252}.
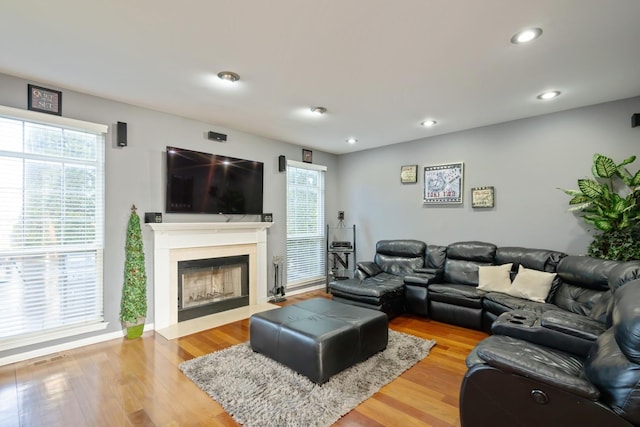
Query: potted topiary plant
{"x": 610, "y": 203}
{"x": 133, "y": 308}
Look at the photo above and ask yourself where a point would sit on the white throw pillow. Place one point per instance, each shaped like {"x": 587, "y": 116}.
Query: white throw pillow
{"x": 530, "y": 284}
{"x": 494, "y": 278}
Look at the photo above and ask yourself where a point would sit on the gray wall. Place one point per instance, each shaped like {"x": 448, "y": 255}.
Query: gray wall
{"x": 525, "y": 160}
{"x": 135, "y": 175}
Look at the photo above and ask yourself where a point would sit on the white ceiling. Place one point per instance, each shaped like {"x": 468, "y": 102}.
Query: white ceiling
{"x": 380, "y": 67}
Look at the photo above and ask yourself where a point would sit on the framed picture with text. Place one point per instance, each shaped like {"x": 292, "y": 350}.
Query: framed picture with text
{"x": 409, "y": 174}
{"x": 482, "y": 197}
{"x": 44, "y": 100}
{"x": 443, "y": 184}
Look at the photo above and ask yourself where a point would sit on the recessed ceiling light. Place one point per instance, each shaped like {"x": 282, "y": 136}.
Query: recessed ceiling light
{"x": 549, "y": 95}
{"x": 228, "y": 76}
{"x": 318, "y": 110}
{"x": 526, "y": 36}
{"x": 428, "y": 123}
{"x": 352, "y": 140}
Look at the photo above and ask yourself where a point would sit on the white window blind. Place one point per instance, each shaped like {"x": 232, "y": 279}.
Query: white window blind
{"x": 51, "y": 226}
{"x": 305, "y": 224}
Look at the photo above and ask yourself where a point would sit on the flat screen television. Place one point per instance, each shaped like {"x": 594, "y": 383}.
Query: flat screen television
{"x": 208, "y": 183}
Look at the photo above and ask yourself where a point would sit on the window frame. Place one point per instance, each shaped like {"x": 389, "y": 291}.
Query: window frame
{"x": 319, "y": 234}
{"x": 97, "y": 323}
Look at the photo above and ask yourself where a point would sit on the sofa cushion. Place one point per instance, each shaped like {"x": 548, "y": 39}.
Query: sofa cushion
{"x": 617, "y": 378}
{"x": 463, "y": 260}
{"x": 601, "y": 310}
{"x": 555, "y": 368}
{"x": 623, "y": 273}
{"x": 531, "y": 284}
{"x": 400, "y": 257}
{"x": 435, "y": 256}
{"x": 495, "y": 278}
{"x": 497, "y": 303}
{"x": 538, "y": 259}
{"x": 406, "y": 248}
{"x": 612, "y": 365}
{"x": 472, "y": 251}
{"x": 626, "y": 320}
{"x": 461, "y": 295}
{"x": 370, "y": 268}
{"x": 577, "y": 299}
{"x": 382, "y": 285}
{"x": 586, "y": 272}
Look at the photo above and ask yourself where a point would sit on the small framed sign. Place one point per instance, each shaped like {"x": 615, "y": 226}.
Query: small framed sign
{"x": 307, "y": 156}
{"x": 44, "y": 100}
{"x": 409, "y": 174}
{"x": 482, "y": 197}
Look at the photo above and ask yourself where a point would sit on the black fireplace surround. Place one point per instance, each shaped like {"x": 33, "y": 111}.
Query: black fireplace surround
{"x": 220, "y": 305}
{"x": 570, "y": 359}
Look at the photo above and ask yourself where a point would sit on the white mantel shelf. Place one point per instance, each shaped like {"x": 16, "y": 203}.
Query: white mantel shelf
{"x": 173, "y": 241}
{"x": 212, "y": 226}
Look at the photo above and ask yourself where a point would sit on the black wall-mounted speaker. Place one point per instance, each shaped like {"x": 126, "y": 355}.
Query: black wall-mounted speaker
{"x": 122, "y": 134}
{"x": 635, "y": 120}
{"x": 282, "y": 164}
{"x": 215, "y": 136}
{"x": 153, "y": 217}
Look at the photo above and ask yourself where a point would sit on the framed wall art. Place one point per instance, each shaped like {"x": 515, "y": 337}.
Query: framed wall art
{"x": 482, "y": 197}
{"x": 307, "y": 155}
{"x": 409, "y": 174}
{"x": 443, "y": 184}
{"x": 44, "y": 100}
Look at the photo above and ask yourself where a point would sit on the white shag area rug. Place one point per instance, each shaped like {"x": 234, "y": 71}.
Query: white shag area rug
{"x": 257, "y": 391}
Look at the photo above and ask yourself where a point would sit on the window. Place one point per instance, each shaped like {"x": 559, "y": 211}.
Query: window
{"x": 305, "y": 224}
{"x": 51, "y": 226}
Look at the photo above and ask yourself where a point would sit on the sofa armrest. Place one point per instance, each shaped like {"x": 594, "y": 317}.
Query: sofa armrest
{"x": 436, "y": 273}
{"x": 542, "y": 364}
{"x": 366, "y": 269}
{"x": 572, "y": 324}
{"x": 424, "y": 277}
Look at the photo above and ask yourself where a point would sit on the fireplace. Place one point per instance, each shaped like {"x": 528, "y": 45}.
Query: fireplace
{"x": 212, "y": 285}
{"x": 177, "y": 242}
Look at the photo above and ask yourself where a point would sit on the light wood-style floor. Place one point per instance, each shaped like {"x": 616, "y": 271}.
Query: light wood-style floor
{"x": 137, "y": 383}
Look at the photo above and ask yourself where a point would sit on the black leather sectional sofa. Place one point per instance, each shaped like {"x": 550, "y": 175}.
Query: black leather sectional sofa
{"x": 565, "y": 338}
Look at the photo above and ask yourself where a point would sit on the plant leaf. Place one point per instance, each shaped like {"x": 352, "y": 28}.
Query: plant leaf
{"x": 603, "y": 225}
{"x": 604, "y": 167}
{"x": 571, "y": 192}
{"x": 580, "y": 207}
{"x": 591, "y": 189}
{"x": 635, "y": 181}
{"x": 580, "y": 199}
{"x": 627, "y": 161}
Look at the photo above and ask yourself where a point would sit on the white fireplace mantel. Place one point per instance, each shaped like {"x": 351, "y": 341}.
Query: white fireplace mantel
{"x": 173, "y": 242}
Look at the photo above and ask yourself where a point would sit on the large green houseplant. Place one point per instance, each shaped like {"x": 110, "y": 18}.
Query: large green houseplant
{"x": 133, "y": 308}
{"x": 610, "y": 203}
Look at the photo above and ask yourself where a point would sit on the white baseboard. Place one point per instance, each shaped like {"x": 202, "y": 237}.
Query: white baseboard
{"x": 304, "y": 290}
{"x": 45, "y": 351}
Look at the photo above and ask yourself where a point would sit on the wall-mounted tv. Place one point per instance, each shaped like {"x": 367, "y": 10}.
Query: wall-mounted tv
{"x": 208, "y": 183}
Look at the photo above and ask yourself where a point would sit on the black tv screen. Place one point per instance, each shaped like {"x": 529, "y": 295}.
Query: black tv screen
{"x": 208, "y": 183}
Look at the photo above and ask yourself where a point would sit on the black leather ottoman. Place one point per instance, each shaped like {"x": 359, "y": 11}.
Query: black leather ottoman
{"x": 319, "y": 337}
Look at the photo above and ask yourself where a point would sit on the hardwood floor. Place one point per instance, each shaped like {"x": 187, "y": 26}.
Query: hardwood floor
{"x": 137, "y": 383}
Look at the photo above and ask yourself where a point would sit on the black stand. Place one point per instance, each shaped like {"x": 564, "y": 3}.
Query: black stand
{"x": 278, "y": 289}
